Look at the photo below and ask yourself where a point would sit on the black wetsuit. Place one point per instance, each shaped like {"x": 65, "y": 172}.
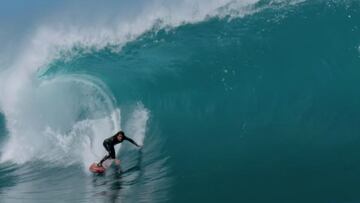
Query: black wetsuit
{"x": 109, "y": 144}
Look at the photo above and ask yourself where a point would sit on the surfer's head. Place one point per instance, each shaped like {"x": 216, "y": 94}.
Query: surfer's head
{"x": 120, "y": 135}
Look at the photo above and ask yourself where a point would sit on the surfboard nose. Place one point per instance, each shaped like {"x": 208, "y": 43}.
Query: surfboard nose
{"x": 96, "y": 169}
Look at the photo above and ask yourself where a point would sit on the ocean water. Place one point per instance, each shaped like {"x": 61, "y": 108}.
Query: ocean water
{"x": 233, "y": 101}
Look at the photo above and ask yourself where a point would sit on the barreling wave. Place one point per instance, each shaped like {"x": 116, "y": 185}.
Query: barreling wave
{"x": 45, "y": 111}
{"x": 57, "y": 118}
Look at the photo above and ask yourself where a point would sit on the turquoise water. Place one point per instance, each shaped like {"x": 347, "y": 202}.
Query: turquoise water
{"x": 258, "y": 107}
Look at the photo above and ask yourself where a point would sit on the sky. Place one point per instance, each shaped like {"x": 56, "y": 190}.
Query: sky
{"x": 19, "y": 19}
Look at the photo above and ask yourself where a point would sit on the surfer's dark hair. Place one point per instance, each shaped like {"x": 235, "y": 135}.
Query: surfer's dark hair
{"x": 120, "y": 133}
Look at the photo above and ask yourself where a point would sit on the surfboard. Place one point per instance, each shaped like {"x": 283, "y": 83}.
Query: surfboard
{"x": 96, "y": 169}
{"x": 106, "y": 164}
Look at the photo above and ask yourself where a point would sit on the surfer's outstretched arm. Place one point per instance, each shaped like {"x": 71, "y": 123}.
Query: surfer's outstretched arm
{"x": 132, "y": 141}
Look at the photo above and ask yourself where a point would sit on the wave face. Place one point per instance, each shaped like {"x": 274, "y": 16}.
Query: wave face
{"x": 236, "y": 101}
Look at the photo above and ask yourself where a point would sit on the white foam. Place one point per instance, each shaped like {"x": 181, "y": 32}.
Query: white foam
{"x": 63, "y": 120}
{"x": 136, "y": 125}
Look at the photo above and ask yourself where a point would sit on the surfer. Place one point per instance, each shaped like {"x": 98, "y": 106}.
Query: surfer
{"x": 110, "y": 142}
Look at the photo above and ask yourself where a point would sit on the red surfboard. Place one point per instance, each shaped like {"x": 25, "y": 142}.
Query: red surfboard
{"x": 106, "y": 164}
{"x": 96, "y": 169}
